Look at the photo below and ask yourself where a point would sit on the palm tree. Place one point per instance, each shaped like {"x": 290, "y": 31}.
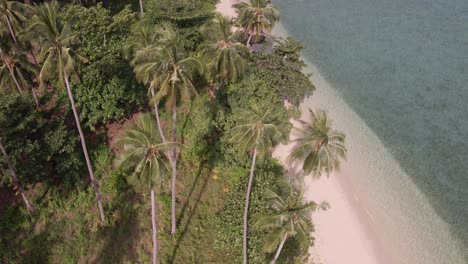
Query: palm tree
{"x": 172, "y": 73}
{"x": 143, "y": 46}
{"x": 16, "y": 181}
{"x": 11, "y": 13}
{"x": 290, "y": 218}
{"x": 256, "y": 18}
{"x": 223, "y": 50}
{"x": 143, "y": 153}
{"x": 318, "y": 146}
{"x": 16, "y": 71}
{"x": 58, "y": 60}
{"x": 259, "y": 132}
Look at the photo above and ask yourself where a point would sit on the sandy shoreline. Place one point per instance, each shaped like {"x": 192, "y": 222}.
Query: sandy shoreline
{"x": 345, "y": 233}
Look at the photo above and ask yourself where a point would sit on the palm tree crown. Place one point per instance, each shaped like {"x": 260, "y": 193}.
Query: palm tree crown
{"x": 260, "y": 129}
{"x": 320, "y": 147}
{"x": 257, "y": 17}
{"x": 223, "y": 50}
{"x": 144, "y": 153}
{"x": 290, "y": 218}
{"x": 22, "y": 70}
{"x": 173, "y": 73}
{"x": 55, "y": 39}
{"x": 12, "y": 15}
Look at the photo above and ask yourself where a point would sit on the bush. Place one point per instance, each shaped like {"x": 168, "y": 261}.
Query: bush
{"x": 282, "y": 69}
{"x": 107, "y": 90}
{"x": 39, "y": 145}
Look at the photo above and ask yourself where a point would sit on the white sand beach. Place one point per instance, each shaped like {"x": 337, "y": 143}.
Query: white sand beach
{"x": 345, "y": 233}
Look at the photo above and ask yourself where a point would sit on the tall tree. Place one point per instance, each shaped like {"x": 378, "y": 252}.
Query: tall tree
{"x": 223, "y": 50}
{"x": 143, "y": 154}
{"x": 258, "y": 133}
{"x": 290, "y": 218}
{"x": 58, "y": 60}
{"x": 256, "y": 18}
{"x": 144, "y": 46}
{"x": 173, "y": 72}
{"x": 318, "y": 145}
{"x": 158, "y": 62}
{"x": 16, "y": 181}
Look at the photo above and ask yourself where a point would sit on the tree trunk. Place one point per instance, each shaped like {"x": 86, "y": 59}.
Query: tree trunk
{"x": 174, "y": 165}
{"x": 12, "y": 73}
{"x": 247, "y": 201}
{"x": 279, "y": 249}
{"x": 85, "y": 149}
{"x": 16, "y": 181}
{"x": 12, "y": 33}
{"x": 36, "y": 100}
{"x": 156, "y": 113}
{"x": 155, "y": 230}
{"x": 141, "y": 9}
{"x": 248, "y": 40}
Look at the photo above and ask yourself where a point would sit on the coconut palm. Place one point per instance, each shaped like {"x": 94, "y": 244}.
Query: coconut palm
{"x": 223, "y": 50}
{"x": 259, "y": 132}
{"x": 318, "y": 145}
{"x": 11, "y": 17}
{"x": 256, "y": 18}
{"x": 172, "y": 74}
{"x": 16, "y": 71}
{"x": 16, "y": 181}
{"x": 58, "y": 61}
{"x": 290, "y": 218}
{"x": 144, "y": 46}
{"x": 143, "y": 154}
{"x": 158, "y": 63}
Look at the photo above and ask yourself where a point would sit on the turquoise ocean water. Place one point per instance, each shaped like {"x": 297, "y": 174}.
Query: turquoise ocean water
{"x": 402, "y": 67}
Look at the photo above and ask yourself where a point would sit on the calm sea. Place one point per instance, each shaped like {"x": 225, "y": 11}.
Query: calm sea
{"x": 402, "y": 66}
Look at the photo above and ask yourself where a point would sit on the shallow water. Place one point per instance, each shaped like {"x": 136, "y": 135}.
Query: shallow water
{"x": 402, "y": 67}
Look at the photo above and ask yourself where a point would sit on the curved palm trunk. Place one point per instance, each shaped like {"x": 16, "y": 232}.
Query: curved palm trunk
{"x": 16, "y": 181}
{"x": 247, "y": 201}
{"x": 156, "y": 113}
{"x": 279, "y": 249}
{"x": 141, "y": 8}
{"x": 12, "y": 73}
{"x": 174, "y": 166}
{"x": 155, "y": 230}
{"x": 12, "y": 33}
{"x": 85, "y": 149}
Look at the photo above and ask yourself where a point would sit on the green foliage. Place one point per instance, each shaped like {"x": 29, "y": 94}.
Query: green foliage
{"x": 198, "y": 135}
{"x": 107, "y": 90}
{"x": 184, "y": 13}
{"x": 282, "y": 69}
{"x": 40, "y": 145}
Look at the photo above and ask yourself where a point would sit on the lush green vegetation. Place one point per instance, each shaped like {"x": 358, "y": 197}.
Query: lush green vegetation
{"x": 142, "y": 138}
